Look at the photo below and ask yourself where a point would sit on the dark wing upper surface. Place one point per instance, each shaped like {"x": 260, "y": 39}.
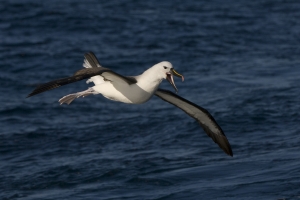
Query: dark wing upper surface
{"x": 79, "y": 75}
{"x": 85, "y": 73}
{"x": 201, "y": 115}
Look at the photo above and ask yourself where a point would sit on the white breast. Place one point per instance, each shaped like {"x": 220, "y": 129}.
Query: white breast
{"x": 133, "y": 94}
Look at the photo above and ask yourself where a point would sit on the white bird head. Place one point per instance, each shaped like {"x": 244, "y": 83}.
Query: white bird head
{"x": 166, "y": 71}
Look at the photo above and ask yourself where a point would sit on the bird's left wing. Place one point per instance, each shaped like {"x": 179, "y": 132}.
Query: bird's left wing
{"x": 202, "y": 116}
{"x": 85, "y": 73}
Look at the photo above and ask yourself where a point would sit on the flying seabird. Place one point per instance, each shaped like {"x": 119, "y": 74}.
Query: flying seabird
{"x": 137, "y": 90}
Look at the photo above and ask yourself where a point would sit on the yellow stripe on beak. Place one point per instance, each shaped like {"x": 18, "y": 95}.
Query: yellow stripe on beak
{"x": 177, "y": 74}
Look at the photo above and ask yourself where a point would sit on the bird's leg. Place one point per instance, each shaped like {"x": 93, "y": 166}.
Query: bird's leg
{"x": 70, "y": 97}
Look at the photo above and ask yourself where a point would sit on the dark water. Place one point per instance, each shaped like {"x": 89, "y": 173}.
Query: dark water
{"x": 240, "y": 60}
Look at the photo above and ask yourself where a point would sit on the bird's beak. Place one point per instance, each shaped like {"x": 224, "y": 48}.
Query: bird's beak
{"x": 171, "y": 80}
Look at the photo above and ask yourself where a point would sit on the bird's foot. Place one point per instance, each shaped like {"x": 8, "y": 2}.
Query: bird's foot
{"x": 70, "y": 97}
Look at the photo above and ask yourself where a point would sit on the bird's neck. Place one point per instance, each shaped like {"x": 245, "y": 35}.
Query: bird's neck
{"x": 149, "y": 81}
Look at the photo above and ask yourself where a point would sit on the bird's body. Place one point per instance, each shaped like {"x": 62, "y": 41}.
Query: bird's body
{"x": 140, "y": 90}
{"x": 136, "y": 93}
{"x": 133, "y": 94}
{"x": 137, "y": 90}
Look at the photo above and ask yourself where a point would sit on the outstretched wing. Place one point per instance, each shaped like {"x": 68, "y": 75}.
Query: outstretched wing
{"x": 202, "y": 116}
{"x": 96, "y": 69}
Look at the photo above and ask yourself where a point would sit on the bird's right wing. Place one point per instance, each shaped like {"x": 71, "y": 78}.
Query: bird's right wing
{"x": 94, "y": 69}
{"x": 202, "y": 116}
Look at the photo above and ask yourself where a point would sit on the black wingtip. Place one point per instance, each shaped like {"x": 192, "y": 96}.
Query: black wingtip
{"x": 230, "y": 153}
{"x": 224, "y": 144}
{"x": 220, "y": 139}
{"x": 32, "y": 93}
{"x": 228, "y": 149}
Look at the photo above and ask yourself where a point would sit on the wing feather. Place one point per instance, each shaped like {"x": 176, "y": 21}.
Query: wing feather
{"x": 86, "y": 73}
{"x": 201, "y": 115}
{"x": 91, "y": 60}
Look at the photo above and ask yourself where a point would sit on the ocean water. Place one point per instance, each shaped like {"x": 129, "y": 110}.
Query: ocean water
{"x": 240, "y": 59}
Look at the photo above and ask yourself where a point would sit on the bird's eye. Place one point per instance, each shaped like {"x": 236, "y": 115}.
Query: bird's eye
{"x": 165, "y": 67}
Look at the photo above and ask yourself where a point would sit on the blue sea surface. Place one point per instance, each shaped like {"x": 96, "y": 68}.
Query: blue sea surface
{"x": 241, "y": 62}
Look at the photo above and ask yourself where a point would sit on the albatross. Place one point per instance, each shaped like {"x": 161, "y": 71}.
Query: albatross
{"x": 136, "y": 90}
